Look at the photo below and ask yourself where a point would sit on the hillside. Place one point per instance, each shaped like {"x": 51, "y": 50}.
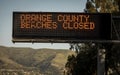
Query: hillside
{"x": 37, "y": 61}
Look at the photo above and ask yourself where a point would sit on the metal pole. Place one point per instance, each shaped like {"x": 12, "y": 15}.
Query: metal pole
{"x": 101, "y": 62}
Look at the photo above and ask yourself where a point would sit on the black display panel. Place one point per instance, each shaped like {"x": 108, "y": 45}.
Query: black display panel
{"x": 61, "y": 26}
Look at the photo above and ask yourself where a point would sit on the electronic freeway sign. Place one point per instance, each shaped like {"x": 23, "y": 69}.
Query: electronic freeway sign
{"x": 60, "y": 26}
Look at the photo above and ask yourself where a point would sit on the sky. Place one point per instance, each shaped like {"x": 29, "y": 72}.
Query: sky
{"x": 7, "y": 7}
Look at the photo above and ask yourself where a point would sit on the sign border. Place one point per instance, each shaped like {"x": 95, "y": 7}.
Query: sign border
{"x": 59, "y": 40}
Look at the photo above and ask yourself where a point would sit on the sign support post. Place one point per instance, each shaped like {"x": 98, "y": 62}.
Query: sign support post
{"x": 101, "y": 62}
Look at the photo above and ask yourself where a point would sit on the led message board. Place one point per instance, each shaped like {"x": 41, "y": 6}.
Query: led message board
{"x": 61, "y": 26}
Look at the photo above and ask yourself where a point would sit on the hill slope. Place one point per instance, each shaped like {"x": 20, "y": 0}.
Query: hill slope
{"x": 46, "y": 61}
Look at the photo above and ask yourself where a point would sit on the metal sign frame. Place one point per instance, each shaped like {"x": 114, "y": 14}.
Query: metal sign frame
{"x": 102, "y": 32}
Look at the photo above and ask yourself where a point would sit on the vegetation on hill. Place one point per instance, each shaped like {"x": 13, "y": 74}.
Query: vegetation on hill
{"x": 44, "y": 61}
